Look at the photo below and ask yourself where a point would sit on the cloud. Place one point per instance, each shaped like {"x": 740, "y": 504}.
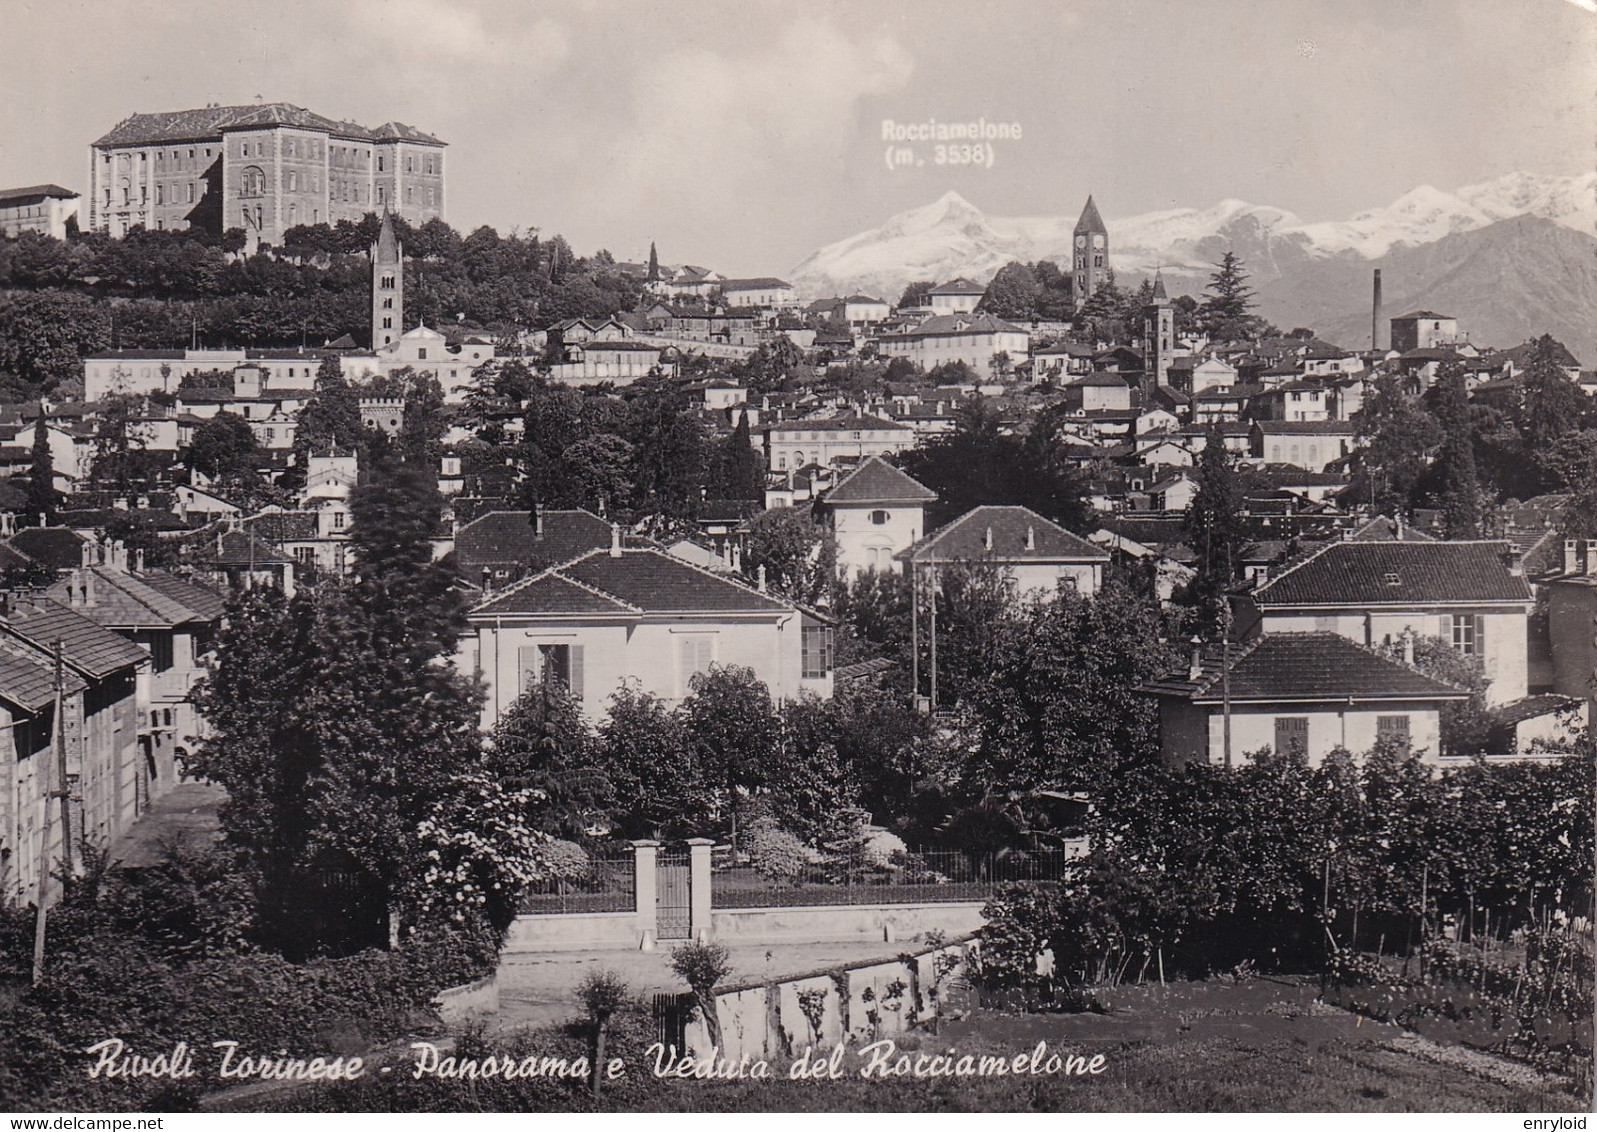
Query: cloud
{"x": 454, "y": 31}
{"x": 713, "y": 134}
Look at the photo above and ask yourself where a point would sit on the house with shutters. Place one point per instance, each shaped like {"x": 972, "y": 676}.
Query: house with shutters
{"x": 1299, "y": 693}
{"x": 641, "y": 615}
{"x": 875, "y": 512}
{"x": 110, "y": 783}
{"x": 1040, "y": 556}
{"x": 1472, "y": 594}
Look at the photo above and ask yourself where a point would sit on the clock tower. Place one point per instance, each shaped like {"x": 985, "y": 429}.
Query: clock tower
{"x": 1090, "y": 254}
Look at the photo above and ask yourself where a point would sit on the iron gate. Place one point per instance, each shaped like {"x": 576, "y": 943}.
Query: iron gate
{"x": 673, "y": 918}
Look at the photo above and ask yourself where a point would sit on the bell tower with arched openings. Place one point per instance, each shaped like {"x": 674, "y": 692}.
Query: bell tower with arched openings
{"x": 388, "y": 286}
{"x": 1090, "y": 253}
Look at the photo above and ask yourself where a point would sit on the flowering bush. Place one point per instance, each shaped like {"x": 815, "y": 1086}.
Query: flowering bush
{"x": 773, "y": 851}
{"x": 481, "y": 852}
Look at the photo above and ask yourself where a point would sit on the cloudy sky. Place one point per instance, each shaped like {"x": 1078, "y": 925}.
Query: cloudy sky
{"x": 744, "y": 134}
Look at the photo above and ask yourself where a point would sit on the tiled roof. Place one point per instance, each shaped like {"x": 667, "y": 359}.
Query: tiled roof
{"x": 508, "y": 538}
{"x": 34, "y": 192}
{"x": 838, "y": 424}
{"x": 205, "y": 603}
{"x": 966, "y": 538}
{"x": 954, "y": 325}
{"x": 1382, "y": 529}
{"x": 1398, "y": 573}
{"x": 27, "y": 677}
{"x": 1295, "y": 667}
{"x": 761, "y": 283}
{"x": 877, "y": 481}
{"x": 122, "y": 601}
{"x": 1307, "y": 428}
{"x": 636, "y": 582}
{"x": 209, "y": 122}
{"x": 1090, "y": 221}
{"x": 1420, "y": 314}
{"x": 91, "y": 649}
{"x": 54, "y": 546}
{"x": 238, "y": 548}
{"x": 960, "y": 286}
{"x": 281, "y": 526}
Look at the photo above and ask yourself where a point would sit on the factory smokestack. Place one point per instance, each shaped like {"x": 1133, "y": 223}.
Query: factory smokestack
{"x": 1375, "y": 314}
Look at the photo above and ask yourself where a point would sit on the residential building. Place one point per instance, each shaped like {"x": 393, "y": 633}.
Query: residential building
{"x": 622, "y": 615}
{"x": 1472, "y": 595}
{"x": 110, "y": 786}
{"x": 791, "y": 445}
{"x": 1311, "y": 445}
{"x": 876, "y": 512}
{"x": 1037, "y": 554}
{"x": 1096, "y": 391}
{"x": 1296, "y": 693}
{"x": 46, "y": 209}
{"x": 763, "y": 293}
{"x": 1423, "y": 330}
{"x": 957, "y": 296}
{"x": 263, "y": 168}
{"x": 501, "y": 547}
{"x": 974, "y": 339}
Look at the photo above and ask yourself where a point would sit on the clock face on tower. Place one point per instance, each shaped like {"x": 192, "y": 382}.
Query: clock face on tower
{"x": 1081, "y": 241}
{"x": 1097, "y": 241}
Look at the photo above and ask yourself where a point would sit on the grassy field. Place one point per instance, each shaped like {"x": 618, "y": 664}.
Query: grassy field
{"x": 1263, "y": 1045}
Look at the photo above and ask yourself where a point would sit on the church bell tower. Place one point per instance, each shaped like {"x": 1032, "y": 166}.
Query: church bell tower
{"x": 388, "y": 286}
{"x": 1158, "y": 333}
{"x": 1090, "y": 254}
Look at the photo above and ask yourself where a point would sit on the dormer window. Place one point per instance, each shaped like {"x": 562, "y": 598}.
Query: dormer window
{"x": 1392, "y": 579}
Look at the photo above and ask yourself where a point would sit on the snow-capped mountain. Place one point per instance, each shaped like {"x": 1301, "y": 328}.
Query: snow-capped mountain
{"x": 952, "y": 237}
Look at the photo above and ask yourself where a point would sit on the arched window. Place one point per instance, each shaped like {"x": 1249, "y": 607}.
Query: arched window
{"x": 252, "y": 183}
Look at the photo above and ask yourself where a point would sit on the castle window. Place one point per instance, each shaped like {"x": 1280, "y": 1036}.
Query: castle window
{"x": 388, "y": 324}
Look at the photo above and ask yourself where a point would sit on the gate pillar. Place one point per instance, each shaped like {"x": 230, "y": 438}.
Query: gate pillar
{"x": 645, "y": 900}
{"x": 699, "y": 887}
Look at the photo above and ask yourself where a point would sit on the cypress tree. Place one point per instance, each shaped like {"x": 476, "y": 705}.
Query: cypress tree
{"x": 41, "y": 480}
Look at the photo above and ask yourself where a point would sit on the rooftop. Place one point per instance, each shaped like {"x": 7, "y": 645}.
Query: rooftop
{"x": 1363, "y": 573}
{"x": 877, "y": 481}
{"x": 1297, "y": 667}
{"x": 1003, "y": 533}
{"x": 209, "y": 122}
{"x": 631, "y": 582}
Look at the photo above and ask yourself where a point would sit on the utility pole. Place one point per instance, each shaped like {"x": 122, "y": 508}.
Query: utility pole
{"x": 1225, "y": 676}
{"x": 42, "y": 892}
{"x": 914, "y": 635}
{"x": 934, "y": 639}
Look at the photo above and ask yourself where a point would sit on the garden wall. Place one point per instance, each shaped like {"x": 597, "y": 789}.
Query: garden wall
{"x": 574, "y": 931}
{"x": 468, "y": 1001}
{"x": 823, "y": 1009}
{"x": 830, "y": 923}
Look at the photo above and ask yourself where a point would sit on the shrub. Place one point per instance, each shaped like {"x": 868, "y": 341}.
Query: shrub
{"x": 773, "y": 851}
{"x": 702, "y": 966}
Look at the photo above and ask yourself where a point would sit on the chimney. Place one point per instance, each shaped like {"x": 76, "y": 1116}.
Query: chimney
{"x": 737, "y": 558}
{"x": 8, "y": 523}
{"x": 615, "y": 540}
{"x": 44, "y": 520}
{"x": 1031, "y": 538}
{"x": 86, "y": 553}
{"x": 987, "y": 540}
{"x": 537, "y": 520}
{"x": 88, "y": 588}
{"x": 1195, "y": 669}
{"x": 1397, "y": 523}
{"x": 138, "y": 561}
{"x": 487, "y": 580}
{"x": 75, "y": 588}
{"x": 760, "y": 578}
{"x": 1516, "y": 561}
{"x": 1375, "y": 314}
{"x": 1408, "y": 645}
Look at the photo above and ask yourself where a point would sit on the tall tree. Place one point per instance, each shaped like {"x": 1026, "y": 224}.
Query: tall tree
{"x": 654, "y": 264}
{"x": 1397, "y": 441}
{"x": 1551, "y": 407}
{"x": 1459, "y": 489}
{"x": 1227, "y": 308}
{"x": 41, "y": 476}
{"x": 1214, "y": 527}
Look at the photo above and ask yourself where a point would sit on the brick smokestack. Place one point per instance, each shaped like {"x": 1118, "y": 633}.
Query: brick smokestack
{"x": 1375, "y": 314}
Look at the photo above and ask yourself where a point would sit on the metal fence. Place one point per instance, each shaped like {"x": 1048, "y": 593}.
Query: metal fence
{"x": 933, "y": 876}
{"x": 606, "y": 883}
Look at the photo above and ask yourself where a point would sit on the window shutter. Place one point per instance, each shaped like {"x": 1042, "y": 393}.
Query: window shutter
{"x": 1480, "y": 635}
{"x": 529, "y": 663}
{"x": 576, "y": 672}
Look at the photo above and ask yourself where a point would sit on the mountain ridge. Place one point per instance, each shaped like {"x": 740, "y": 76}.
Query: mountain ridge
{"x": 1314, "y": 273}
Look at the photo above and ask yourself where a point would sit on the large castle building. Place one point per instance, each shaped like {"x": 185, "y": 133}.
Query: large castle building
{"x": 263, "y": 168}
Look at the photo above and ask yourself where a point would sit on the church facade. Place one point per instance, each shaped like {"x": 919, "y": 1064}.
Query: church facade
{"x": 263, "y": 168}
